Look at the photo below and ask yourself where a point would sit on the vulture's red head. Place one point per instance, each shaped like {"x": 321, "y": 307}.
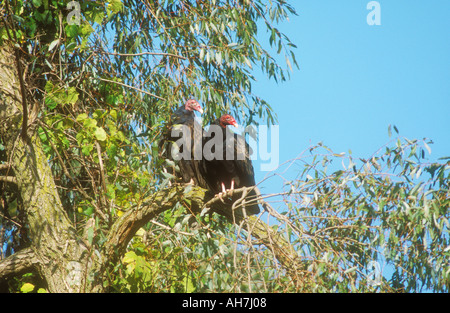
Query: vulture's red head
{"x": 193, "y": 105}
{"x": 227, "y": 119}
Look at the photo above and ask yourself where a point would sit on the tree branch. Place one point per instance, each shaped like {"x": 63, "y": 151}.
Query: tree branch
{"x": 146, "y": 53}
{"x": 129, "y": 223}
{"x": 128, "y": 86}
{"x": 8, "y": 179}
{"x": 20, "y": 262}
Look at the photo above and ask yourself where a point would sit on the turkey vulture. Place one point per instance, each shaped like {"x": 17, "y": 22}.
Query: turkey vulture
{"x": 185, "y": 136}
{"x": 229, "y": 165}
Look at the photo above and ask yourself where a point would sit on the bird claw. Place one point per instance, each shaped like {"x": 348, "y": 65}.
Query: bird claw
{"x": 220, "y": 196}
{"x": 225, "y": 191}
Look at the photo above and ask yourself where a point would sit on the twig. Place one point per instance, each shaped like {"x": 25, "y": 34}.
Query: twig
{"x": 128, "y": 86}
{"x": 11, "y": 220}
{"x": 146, "y": 53}
{"x": 76, "y": 183}
{"x": 103, "y": 175}
{"x": 171, "y": 229}
{"x": 102, "y": 170}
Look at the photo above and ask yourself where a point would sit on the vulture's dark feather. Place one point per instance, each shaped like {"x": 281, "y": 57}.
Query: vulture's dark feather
{"x": 224, "y": 171}
{"x": 183, "y": 119}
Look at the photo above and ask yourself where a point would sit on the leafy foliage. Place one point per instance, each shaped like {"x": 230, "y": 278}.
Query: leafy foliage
{"x": 100, "y": 93}
{"x": 390, "y": 209}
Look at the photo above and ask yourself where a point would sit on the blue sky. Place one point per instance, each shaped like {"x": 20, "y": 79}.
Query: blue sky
{"x": 355, "y": 79}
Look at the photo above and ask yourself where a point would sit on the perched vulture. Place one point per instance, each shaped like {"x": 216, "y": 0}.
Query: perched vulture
{"x": 227, "y": 169}
{"x": 185, "y": 137}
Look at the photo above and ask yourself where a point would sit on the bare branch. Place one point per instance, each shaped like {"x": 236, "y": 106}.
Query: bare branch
{"x": 128, "y": 86}
{"x": 147, "y": 53}
{"x": 102, "y": 173}
{"x": 171, "y": 229}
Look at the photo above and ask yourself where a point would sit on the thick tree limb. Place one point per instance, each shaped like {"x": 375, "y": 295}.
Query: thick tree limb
{"x": 20, "y": 262}
{"x": 129, "y": 223}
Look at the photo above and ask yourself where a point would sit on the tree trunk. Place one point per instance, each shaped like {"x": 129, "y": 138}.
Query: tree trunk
{"x": 60, "y": 256}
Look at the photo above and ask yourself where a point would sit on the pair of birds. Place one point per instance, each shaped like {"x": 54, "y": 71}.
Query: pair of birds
{"x": 206, "y": 162}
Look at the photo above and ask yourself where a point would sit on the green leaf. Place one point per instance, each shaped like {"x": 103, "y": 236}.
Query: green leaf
{"x": 115, "y": 6}
{"x": 98, "y": 114}
{"x": 67, "y": 123}
{"x": 90, "y": 234}
{"x": 37, "y": 3}
{"x": 87, "y": 149}
{"x": 100, "y": 134}
{"x": 427, "y": 147}
{"x": 218, "y": 58}
{"x": 89, "y": 122}
{"x": 113, "y": 114}
{"x": 189, "y": 285}
{"x": 202, "y": 53}
{"x": 288, "y": 62}
{"x": 27, "y": 287}
{"x": 129, "y": 257}
{"x": 72, "y": 30}
{"x": 72, "y": 96}
{"x": 82, "y": 117}
{"x": 111, "y": 191}
{"x": 247, "y": 61}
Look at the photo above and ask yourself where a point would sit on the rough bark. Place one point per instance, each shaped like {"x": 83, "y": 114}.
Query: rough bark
{"x": 54, "y": 243}
{"x": 23, "y": 261}
{"x": 129, "y": 223}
